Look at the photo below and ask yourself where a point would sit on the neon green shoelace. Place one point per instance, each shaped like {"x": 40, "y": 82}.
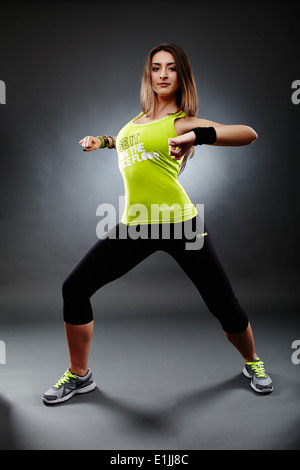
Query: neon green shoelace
{"x": 64, "y": 379}
{"x": 259, "y": 368}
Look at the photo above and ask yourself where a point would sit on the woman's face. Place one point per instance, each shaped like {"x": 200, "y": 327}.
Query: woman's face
{"x": 164, "y": 75}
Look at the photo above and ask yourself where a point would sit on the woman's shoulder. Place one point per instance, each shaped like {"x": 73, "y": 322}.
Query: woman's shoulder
{"x": 184, "y": 124}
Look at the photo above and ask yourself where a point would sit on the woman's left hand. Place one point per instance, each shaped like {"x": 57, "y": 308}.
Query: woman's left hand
{"x": 179, "y": 146}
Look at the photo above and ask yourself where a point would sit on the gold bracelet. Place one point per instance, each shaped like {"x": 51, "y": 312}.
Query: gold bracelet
{"x": 113, "y": 143}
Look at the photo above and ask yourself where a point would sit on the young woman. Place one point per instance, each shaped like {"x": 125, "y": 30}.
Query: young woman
{"x": 152, "y": 150}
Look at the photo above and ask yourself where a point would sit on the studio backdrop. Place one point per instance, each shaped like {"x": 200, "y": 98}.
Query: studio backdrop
{"x": 73, "y": 68}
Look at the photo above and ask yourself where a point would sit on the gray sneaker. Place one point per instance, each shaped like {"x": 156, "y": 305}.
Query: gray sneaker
{"x": 260, "y": 381}
{"x": 67, "y": 386}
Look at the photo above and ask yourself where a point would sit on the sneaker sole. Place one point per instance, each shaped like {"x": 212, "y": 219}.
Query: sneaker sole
{"x": 88, "y": 388}
{"x": 267, "y": 390}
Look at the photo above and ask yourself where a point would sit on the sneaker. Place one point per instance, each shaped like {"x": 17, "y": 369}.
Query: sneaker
{"x": 260, "y": 381}
{"x": 67, "y": 386}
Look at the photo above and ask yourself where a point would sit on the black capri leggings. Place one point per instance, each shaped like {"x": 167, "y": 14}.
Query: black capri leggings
{"x": 117, "y": 253}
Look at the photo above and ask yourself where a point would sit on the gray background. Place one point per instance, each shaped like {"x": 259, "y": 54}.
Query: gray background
{"x": 73, "y": 69}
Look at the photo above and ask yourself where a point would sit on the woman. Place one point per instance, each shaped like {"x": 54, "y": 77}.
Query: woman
{"x": 152, "y": 150}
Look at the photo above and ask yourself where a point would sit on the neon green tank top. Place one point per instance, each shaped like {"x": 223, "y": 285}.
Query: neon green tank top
{"x": 153, "y": 193}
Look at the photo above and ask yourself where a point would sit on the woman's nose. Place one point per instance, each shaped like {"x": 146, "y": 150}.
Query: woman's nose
{"x": 163, "y": 74}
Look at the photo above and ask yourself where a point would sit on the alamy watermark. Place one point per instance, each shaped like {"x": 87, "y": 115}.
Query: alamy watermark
{"x": 2, "y": 352}
{"x": 191, "y": 231}
{"x": 296, "y": 94}
{"x": 2, "y": 92}
{"x": 296, "y": 354}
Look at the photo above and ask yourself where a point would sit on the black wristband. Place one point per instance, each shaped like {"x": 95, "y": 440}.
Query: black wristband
{"x": 205, "y": 135}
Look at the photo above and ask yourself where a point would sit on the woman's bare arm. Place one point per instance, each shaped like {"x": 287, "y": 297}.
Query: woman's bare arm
{"x": 226, "y": 135}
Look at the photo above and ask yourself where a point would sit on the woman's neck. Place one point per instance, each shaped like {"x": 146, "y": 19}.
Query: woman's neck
{"x": 164, "y": 107}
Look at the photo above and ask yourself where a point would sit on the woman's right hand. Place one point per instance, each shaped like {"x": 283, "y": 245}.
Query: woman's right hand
{"x": 90, "y": 143}
{"x": 179, "y": 146}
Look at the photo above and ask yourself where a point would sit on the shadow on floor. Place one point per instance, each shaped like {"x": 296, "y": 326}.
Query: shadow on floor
{"x": 7, "y": 438}
{"x": 162, "y": 418}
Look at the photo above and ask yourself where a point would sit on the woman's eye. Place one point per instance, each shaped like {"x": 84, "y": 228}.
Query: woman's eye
{"x": 155, "y": 69}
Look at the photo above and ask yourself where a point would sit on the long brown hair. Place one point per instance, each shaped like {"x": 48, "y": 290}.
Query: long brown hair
{"x": 187, "y": 99}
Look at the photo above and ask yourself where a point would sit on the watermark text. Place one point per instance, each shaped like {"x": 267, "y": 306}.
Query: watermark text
{"x": 296, "y": 354}
{"x": 296, "y": 94}
{"x": 162, "y": 226}
{"x": 2, "y": 352}
{"x": 2, "y": 92}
